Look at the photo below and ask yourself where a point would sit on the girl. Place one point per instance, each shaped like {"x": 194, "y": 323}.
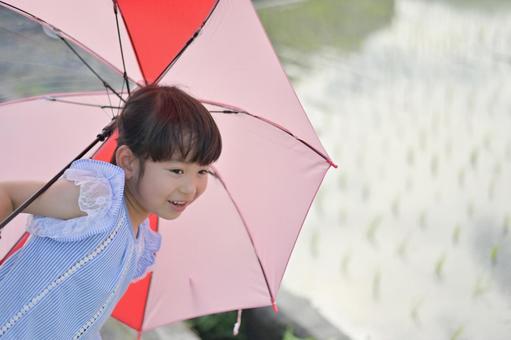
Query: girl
{"x": 90, "y": 236}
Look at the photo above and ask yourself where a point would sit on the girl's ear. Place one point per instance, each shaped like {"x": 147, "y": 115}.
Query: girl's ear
{"x": 127, "y": 160}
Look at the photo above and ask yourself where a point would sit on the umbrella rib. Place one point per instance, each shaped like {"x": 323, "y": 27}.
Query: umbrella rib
{"x": 232, "y": 109}
{"x": 54, "y": 99}
{"x": 57, "y": 33}
{"x": 105, "y": 84}
{"x": 326, "y": 158}
{"x": 217, "y": 175}
{"x": 119, "y": 104}
{"x": 188, "y": 43}
{"x": 106, "y": 132}
{"x": 137, "y": 57}
{"x": 125, "y": 75}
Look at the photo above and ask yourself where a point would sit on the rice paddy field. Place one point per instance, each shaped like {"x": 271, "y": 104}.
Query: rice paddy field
{"x": 410, "y": 237}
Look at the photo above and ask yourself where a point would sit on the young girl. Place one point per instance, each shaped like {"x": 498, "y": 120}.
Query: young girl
{"x": 90, "y": 235}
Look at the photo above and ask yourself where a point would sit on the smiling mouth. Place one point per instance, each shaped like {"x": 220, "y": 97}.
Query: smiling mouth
{"x": 179, "y": 206}
{"x": 178, "y": 203}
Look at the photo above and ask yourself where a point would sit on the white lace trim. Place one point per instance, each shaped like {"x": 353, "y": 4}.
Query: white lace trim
{"x": 95, "y": 192}
{"x": 101, "y": 194}
{"x": 63, "y": 277}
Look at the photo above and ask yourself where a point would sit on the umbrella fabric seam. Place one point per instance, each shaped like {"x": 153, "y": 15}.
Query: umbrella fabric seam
{"x": 272, "y": 298}
{"x": 277, "y": 126}
{"x": 188, "y": 43}
{"x": 50, "y": 95}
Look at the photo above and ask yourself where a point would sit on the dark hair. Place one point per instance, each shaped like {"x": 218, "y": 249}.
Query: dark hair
{"x": 163, "y": 123}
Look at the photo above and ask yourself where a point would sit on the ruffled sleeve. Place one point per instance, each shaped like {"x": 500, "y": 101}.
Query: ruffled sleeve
{"x": 148, "y": 244}
{"x": 101, "y": 194}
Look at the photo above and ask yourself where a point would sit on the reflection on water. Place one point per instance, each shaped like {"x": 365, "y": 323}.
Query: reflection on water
{"x": 410, "y": 239}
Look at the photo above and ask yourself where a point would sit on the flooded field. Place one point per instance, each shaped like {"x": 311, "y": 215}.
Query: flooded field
{"x": 410, "y": 237}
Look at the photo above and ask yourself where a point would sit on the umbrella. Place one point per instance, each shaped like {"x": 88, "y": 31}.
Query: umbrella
{"x": 230, "y": 249}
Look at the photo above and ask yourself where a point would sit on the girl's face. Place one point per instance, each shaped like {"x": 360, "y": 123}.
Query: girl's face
{"x": 167, "y": 188}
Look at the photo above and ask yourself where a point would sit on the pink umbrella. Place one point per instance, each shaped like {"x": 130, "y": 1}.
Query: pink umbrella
{"x": 229, "y": 250}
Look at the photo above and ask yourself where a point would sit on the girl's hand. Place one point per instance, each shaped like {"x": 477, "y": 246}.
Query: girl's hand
{"x": 59, "y": 201}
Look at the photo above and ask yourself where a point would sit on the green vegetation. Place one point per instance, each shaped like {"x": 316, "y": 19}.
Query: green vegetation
{"x": 309, "y": 25}
{"x": 220, "y": 326}
{"x": 456, "y": 234}
{"x": 494, "y": 252}
{"x": 288, "y": 335}
{"x": 457, "y": 333}
{"x": 439, "y": 266}
{"x": 217, "y": 326}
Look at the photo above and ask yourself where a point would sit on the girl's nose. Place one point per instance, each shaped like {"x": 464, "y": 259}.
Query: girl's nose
{"x": 188, "y": 187}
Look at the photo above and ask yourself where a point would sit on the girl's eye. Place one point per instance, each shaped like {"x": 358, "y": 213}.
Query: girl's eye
{"x": 177, "y": 171}
{"x": 204, "y": 172}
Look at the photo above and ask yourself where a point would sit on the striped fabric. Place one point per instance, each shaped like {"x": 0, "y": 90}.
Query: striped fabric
{"x": 66, "y": 288}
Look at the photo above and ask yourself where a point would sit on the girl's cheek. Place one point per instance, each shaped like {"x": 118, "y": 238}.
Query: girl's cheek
{"x": 202, "y": 187}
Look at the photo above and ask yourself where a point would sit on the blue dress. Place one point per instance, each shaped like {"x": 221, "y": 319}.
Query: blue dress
{"x": 67, "y": 279}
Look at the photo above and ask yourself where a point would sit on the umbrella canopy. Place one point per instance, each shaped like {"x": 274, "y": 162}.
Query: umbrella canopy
{"x": 230, "y": 249}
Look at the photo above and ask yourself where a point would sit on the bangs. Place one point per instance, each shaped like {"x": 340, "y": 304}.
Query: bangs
{"x": 194, "y": 143}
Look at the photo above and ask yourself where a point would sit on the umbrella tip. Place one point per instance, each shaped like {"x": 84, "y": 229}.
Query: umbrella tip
{"x": 332, "y": 163}
{"x": 275, "y": 307}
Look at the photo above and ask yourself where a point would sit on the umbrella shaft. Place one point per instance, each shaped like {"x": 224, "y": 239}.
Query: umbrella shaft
{"x": 106, "y": 132}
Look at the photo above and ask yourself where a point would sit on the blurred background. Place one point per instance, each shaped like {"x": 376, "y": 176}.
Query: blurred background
{"x": 410, "y": 237}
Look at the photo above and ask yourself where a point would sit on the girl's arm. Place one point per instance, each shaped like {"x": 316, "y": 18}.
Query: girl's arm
{"x": 59, "y": 201}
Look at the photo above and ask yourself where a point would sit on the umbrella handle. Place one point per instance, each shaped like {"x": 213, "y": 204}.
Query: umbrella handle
{"x": 105, "y": 133}
{"x": 237, "y": 325}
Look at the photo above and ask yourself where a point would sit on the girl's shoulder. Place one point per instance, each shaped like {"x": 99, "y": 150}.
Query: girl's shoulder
{"x": 95, "y": 168}
{"x": 101, "y": 197}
